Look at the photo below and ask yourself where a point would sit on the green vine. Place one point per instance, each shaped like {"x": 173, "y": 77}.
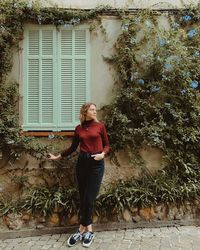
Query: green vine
{"x": 157, "y": 103}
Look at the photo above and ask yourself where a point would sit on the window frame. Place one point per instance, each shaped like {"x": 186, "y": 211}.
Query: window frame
{"x": 56, "y": 127}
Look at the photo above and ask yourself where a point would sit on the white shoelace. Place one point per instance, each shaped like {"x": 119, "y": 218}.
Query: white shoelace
{"x": 88, "y": 235}
{"x": 77, "y": 235}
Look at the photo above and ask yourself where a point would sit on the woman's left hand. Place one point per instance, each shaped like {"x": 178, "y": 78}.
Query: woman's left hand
{"x": 98, "y": 157}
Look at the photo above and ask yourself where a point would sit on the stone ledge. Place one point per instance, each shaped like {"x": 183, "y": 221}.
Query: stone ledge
{"x": 97, "y": 227}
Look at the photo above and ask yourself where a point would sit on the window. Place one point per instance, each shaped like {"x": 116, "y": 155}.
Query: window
{"x": 56, "y": 77}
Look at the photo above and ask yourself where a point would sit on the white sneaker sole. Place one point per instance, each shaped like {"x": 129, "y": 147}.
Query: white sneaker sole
{"x": 70, "y": 245}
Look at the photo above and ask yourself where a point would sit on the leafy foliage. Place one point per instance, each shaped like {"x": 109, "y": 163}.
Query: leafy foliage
{"x": 43, "y": 200}
{"x": 158, "y": 72}
{"x": 166, "y": 187}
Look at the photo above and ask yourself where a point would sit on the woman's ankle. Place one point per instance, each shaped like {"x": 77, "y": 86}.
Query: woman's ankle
{"x": 82, "y": 229}
{"x": 89, "y": 228}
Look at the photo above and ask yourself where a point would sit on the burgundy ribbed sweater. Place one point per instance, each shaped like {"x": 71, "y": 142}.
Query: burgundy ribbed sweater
{"x": 91, "y": 136}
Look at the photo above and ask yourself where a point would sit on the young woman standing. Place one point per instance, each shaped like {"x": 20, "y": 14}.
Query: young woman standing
{"x": 93, "y": 140}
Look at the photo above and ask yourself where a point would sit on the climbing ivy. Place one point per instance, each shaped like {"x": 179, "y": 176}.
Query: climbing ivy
{"x": 157, "y": 102}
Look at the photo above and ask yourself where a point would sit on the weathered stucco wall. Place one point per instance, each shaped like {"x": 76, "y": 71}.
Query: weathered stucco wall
{"x": 102, "y": 91}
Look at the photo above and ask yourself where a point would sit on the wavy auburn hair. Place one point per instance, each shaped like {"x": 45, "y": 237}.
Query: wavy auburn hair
{"x": 83, "y": 111}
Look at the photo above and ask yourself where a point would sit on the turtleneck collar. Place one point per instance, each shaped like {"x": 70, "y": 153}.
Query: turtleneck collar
{"x": 87, "y": 123}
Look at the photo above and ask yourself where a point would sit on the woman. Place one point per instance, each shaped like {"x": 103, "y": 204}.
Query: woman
{"x": 92, "y": 137}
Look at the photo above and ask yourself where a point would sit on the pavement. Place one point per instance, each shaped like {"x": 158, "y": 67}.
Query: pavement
{"x": 163, "y": 238}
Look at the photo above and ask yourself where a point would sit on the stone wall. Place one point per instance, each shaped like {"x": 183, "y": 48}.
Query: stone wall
{"x": 27, "y": 171}
{"x": 162, "y": 212}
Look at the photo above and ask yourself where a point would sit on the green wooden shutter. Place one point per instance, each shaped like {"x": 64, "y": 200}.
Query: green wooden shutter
{"x": 33, "y": 69}
{"x": 80, "y": 73}
{"x": 47, "y": 77}
{"x": 56, "y": 79}
{"x": 39, "y": 79}
{"x": 74, "y": 75}
{"x": 66, "y": 78}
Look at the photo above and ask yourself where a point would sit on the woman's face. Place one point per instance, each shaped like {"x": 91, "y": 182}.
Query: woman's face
{"x": 91, "y": 112}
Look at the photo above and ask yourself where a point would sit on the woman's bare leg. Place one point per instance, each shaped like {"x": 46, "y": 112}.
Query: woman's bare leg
{"x": 89, "y": 228}
{"x": 82, "y": 229}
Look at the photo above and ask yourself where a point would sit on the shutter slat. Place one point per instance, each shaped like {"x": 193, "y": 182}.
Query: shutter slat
{"x": 47, "y": 42}
{"x": 47, "y": 91}
{"x": 66, "y": 42}
{"x": 80, "y": 42}
{"x": 33, "y": 45}
{"x": 66, "y": 90}
{"x": 33, "y": 91}
{"x": 80, "y": 85}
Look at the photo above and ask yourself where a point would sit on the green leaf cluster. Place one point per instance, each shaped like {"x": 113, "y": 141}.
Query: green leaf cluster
{"x": 157, "y": 101}
{"x": 42, "y": 200}
{"x": 165, "y": 187}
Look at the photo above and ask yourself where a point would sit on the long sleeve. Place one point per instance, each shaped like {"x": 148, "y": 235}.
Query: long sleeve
{"x": 91, "y": 136}
{"x": 106, "y": 146}
{"x": 73, "y": 146}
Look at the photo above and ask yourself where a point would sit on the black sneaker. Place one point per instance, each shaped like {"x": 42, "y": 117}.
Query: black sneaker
{"x": 74, "y": 238}
{"x": 88, "y": 238}
{"x": 83, "y": 235}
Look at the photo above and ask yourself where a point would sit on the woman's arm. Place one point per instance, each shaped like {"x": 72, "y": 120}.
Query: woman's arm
{"x": 72, "y": 148}
{"x": 67, "y": 151}
{"x": 106, "y": 146}
{"x": 104, "y": 136}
